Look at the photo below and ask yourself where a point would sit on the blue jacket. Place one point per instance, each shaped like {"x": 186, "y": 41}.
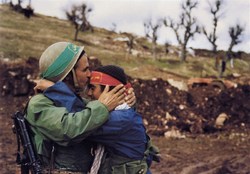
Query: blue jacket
{"x": 123, "y": 134}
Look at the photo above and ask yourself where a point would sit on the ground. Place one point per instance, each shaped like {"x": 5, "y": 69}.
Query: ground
{"x": 198, "y": 148}
{"x": 219, "y": 153}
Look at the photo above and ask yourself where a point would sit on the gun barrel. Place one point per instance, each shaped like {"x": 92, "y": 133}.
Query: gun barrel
{"x": 21, "y": 127}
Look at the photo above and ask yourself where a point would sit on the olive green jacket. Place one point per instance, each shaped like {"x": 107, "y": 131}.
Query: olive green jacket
{"x": 115, "y": 164}
{"x": 55, "y": 129}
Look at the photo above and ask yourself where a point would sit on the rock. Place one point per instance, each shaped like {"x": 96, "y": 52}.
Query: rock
{"x": 173, "y": 134}
{"x": 219, "y": 122}
{"x": 178, "y": 84}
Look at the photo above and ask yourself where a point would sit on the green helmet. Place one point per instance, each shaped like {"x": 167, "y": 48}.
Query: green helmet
{"x": 58, "y": 60}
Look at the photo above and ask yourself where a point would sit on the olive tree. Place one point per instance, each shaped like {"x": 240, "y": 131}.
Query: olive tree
{"x": 235, "y": 33}
{"x": 151, "y": 32}
{"x": 212, "y": 36}
{"x": 187, "y": 23}
{"x": 78, "y": 17}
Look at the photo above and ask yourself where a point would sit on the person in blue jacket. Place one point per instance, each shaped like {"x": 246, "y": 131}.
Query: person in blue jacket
{"x": 128, "y": 148}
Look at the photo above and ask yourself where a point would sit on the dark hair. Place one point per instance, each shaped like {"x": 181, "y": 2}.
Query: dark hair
{"x": 110, "y": 87}
{"x": 114, "y": 71}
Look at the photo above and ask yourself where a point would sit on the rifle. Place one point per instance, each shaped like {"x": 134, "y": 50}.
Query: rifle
{"x": 28, "y": 159}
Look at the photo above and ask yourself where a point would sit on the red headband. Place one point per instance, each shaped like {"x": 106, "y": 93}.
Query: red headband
{"x": 100, "y": 78}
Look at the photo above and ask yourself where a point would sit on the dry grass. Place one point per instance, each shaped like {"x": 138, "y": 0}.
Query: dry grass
{"x": 22, "y": 38}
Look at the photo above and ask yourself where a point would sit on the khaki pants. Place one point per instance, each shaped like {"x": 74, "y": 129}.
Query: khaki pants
{"x": 57, "y": 171}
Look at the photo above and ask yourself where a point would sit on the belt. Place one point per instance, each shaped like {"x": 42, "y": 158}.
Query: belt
{"x": 59, "y": 171}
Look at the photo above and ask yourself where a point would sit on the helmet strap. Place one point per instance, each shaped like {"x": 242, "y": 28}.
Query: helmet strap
{"x": 78, "y": 89}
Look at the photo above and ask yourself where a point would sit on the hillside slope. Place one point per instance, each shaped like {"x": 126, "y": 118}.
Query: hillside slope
{"x": 22, "y": 38}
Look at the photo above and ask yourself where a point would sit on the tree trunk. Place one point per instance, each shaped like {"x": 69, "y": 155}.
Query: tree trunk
{"x": 214, "y": 48}
{"x": 183, "y": 53}
{"x": 154, "y": 51}
{"x": 222, "y": 68}
{"x": 217, "y": 60}
{"x": 76, "y": 34}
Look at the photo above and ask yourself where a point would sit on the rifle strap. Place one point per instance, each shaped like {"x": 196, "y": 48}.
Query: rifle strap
{"x": 26, "y": 107}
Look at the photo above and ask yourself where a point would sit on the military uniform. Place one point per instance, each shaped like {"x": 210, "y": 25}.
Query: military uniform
{"x": 59, "y": 136}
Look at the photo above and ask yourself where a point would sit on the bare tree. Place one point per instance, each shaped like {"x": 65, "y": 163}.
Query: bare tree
{"x": 20, "y": 2}
{"x": 212, "y": 37}
{"x": 78, "y": 17}
{"x": 28, "y": 11}
{"x": 113, "y": 28}
{"x": 235, "y": 33}
{"x": 151, "y": 33}
{"x": 188, "y": 23}
{"x": 17, "y": 7}
{"x": 166, "y": 46}
{"x": 130, "y": 42}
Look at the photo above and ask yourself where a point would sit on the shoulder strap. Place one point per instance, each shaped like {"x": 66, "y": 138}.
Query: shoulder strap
{"x": 26, "y": 107}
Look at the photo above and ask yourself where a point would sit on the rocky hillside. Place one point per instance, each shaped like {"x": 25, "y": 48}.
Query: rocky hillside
{"x": 30, "y": 37}
{"x": 164, "y": 107}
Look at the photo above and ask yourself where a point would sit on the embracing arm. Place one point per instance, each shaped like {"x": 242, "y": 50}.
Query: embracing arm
{"x": 57, "y": 124}
{"x": 49, "y": 87}
{"x": 62, "y": 95}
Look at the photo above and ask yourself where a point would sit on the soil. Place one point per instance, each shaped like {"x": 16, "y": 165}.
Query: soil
{"x": 181, "y": 123}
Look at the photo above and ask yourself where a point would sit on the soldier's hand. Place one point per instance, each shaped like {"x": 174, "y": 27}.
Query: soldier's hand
{"x": 43, "y": 84}
{"x": 130, "y": 99}
{"x": 113, "y": 98}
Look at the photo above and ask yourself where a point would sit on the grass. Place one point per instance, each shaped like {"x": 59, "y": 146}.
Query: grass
{"x": 21, "y": 38}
